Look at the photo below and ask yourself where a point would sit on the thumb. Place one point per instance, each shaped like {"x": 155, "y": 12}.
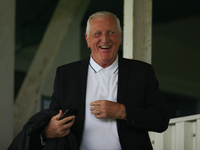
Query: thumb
{"x": 59, "y": 114}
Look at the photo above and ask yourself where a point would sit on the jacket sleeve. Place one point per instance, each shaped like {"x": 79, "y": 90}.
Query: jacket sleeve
{"x": 146, "y": 108}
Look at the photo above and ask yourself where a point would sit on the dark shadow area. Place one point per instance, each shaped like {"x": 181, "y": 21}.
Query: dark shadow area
{"x": 180, "y": 105}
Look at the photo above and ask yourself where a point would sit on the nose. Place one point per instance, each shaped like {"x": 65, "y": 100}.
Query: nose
{"x": 105, "y": 38}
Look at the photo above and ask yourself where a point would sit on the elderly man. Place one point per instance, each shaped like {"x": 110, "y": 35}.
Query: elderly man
{"x": 118, "y": 99}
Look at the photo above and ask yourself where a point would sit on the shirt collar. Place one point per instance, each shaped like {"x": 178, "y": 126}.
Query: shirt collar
{"x": 113, "y": 68}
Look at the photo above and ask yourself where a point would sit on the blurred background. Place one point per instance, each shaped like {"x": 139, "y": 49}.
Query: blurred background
{"x": 175, "y": 45}
{"x": 28, "y": 27}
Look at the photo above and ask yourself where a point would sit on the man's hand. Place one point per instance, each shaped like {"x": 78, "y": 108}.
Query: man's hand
{"x": 104, "y": 109}
{"x": 58, "y": 128}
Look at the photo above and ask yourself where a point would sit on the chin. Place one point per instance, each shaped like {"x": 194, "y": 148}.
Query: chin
{"x": 106, "y": 58}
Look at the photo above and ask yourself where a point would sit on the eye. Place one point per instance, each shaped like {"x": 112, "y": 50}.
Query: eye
{"x": 111, "y": 32}
{"x": 97, "y": 33}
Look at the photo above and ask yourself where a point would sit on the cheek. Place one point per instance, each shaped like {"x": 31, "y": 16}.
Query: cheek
{"x": 94, "y": 43}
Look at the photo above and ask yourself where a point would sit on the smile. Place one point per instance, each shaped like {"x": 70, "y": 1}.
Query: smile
{"x": 105, "y": 47}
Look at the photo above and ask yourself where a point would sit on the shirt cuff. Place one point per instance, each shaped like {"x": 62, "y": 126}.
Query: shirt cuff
{"x": 42, "y": 139}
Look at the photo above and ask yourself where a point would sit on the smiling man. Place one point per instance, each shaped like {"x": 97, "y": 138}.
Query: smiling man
{"x": 118, "y": 99}
{"x": 103, "y": 38}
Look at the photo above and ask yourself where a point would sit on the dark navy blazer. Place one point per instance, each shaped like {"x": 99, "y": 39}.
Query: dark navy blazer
{"x": 138, "y": 90}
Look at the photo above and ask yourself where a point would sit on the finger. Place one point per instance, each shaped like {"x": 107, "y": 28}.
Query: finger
{"x": 95, "y": 103}
{"x": 69, "y": 124}
{"x": 67, "y": 119}
{"x": 94, "y": 112}
{"x": 98, "y": 116}
{"x": 94, "y": 108}
{"x": 62, "y": 132}
{"x": 59, "y": 114}
{"x": 65, "y": 132}
{"x": 64, "y": 129}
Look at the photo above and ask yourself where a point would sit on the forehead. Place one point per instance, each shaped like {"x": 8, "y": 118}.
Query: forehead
{"x": 103, "y": 22}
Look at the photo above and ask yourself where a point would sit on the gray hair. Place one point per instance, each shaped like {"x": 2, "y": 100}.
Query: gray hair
{"x": 101, "y": 14}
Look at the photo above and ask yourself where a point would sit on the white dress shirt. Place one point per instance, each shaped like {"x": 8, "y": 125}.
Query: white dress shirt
{"x": 102, "y": 83}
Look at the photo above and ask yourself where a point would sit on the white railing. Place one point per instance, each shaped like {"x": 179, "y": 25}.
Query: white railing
{"x": 182, "y": 134}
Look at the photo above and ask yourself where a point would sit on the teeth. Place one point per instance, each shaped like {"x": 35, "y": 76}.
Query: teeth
{"x": 104, "y": 46}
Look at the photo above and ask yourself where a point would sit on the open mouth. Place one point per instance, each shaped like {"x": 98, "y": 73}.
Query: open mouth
{"x": 105, "y": 47}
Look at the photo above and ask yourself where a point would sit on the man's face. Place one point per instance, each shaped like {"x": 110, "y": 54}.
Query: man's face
{"x": 104, "y": 40}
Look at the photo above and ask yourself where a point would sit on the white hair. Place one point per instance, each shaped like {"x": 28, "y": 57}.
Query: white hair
{"x": 101, "y": 14}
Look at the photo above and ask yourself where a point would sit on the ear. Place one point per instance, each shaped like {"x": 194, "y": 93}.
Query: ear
{"x": 121, "y": 37}
{"x": 87, "y": 40}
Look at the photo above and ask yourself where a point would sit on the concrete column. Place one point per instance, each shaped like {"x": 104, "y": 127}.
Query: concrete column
{"x": 70, "y": 50}
{"x": 137, "y": 29}
{"x": 7, "y": 46}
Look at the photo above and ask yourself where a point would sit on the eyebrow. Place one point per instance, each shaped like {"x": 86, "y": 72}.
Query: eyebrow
{"x": 101, "y": 31}
{"x": 97, "y": 30}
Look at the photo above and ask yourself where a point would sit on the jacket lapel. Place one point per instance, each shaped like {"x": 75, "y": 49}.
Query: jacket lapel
{"x": 82, "y": 79}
